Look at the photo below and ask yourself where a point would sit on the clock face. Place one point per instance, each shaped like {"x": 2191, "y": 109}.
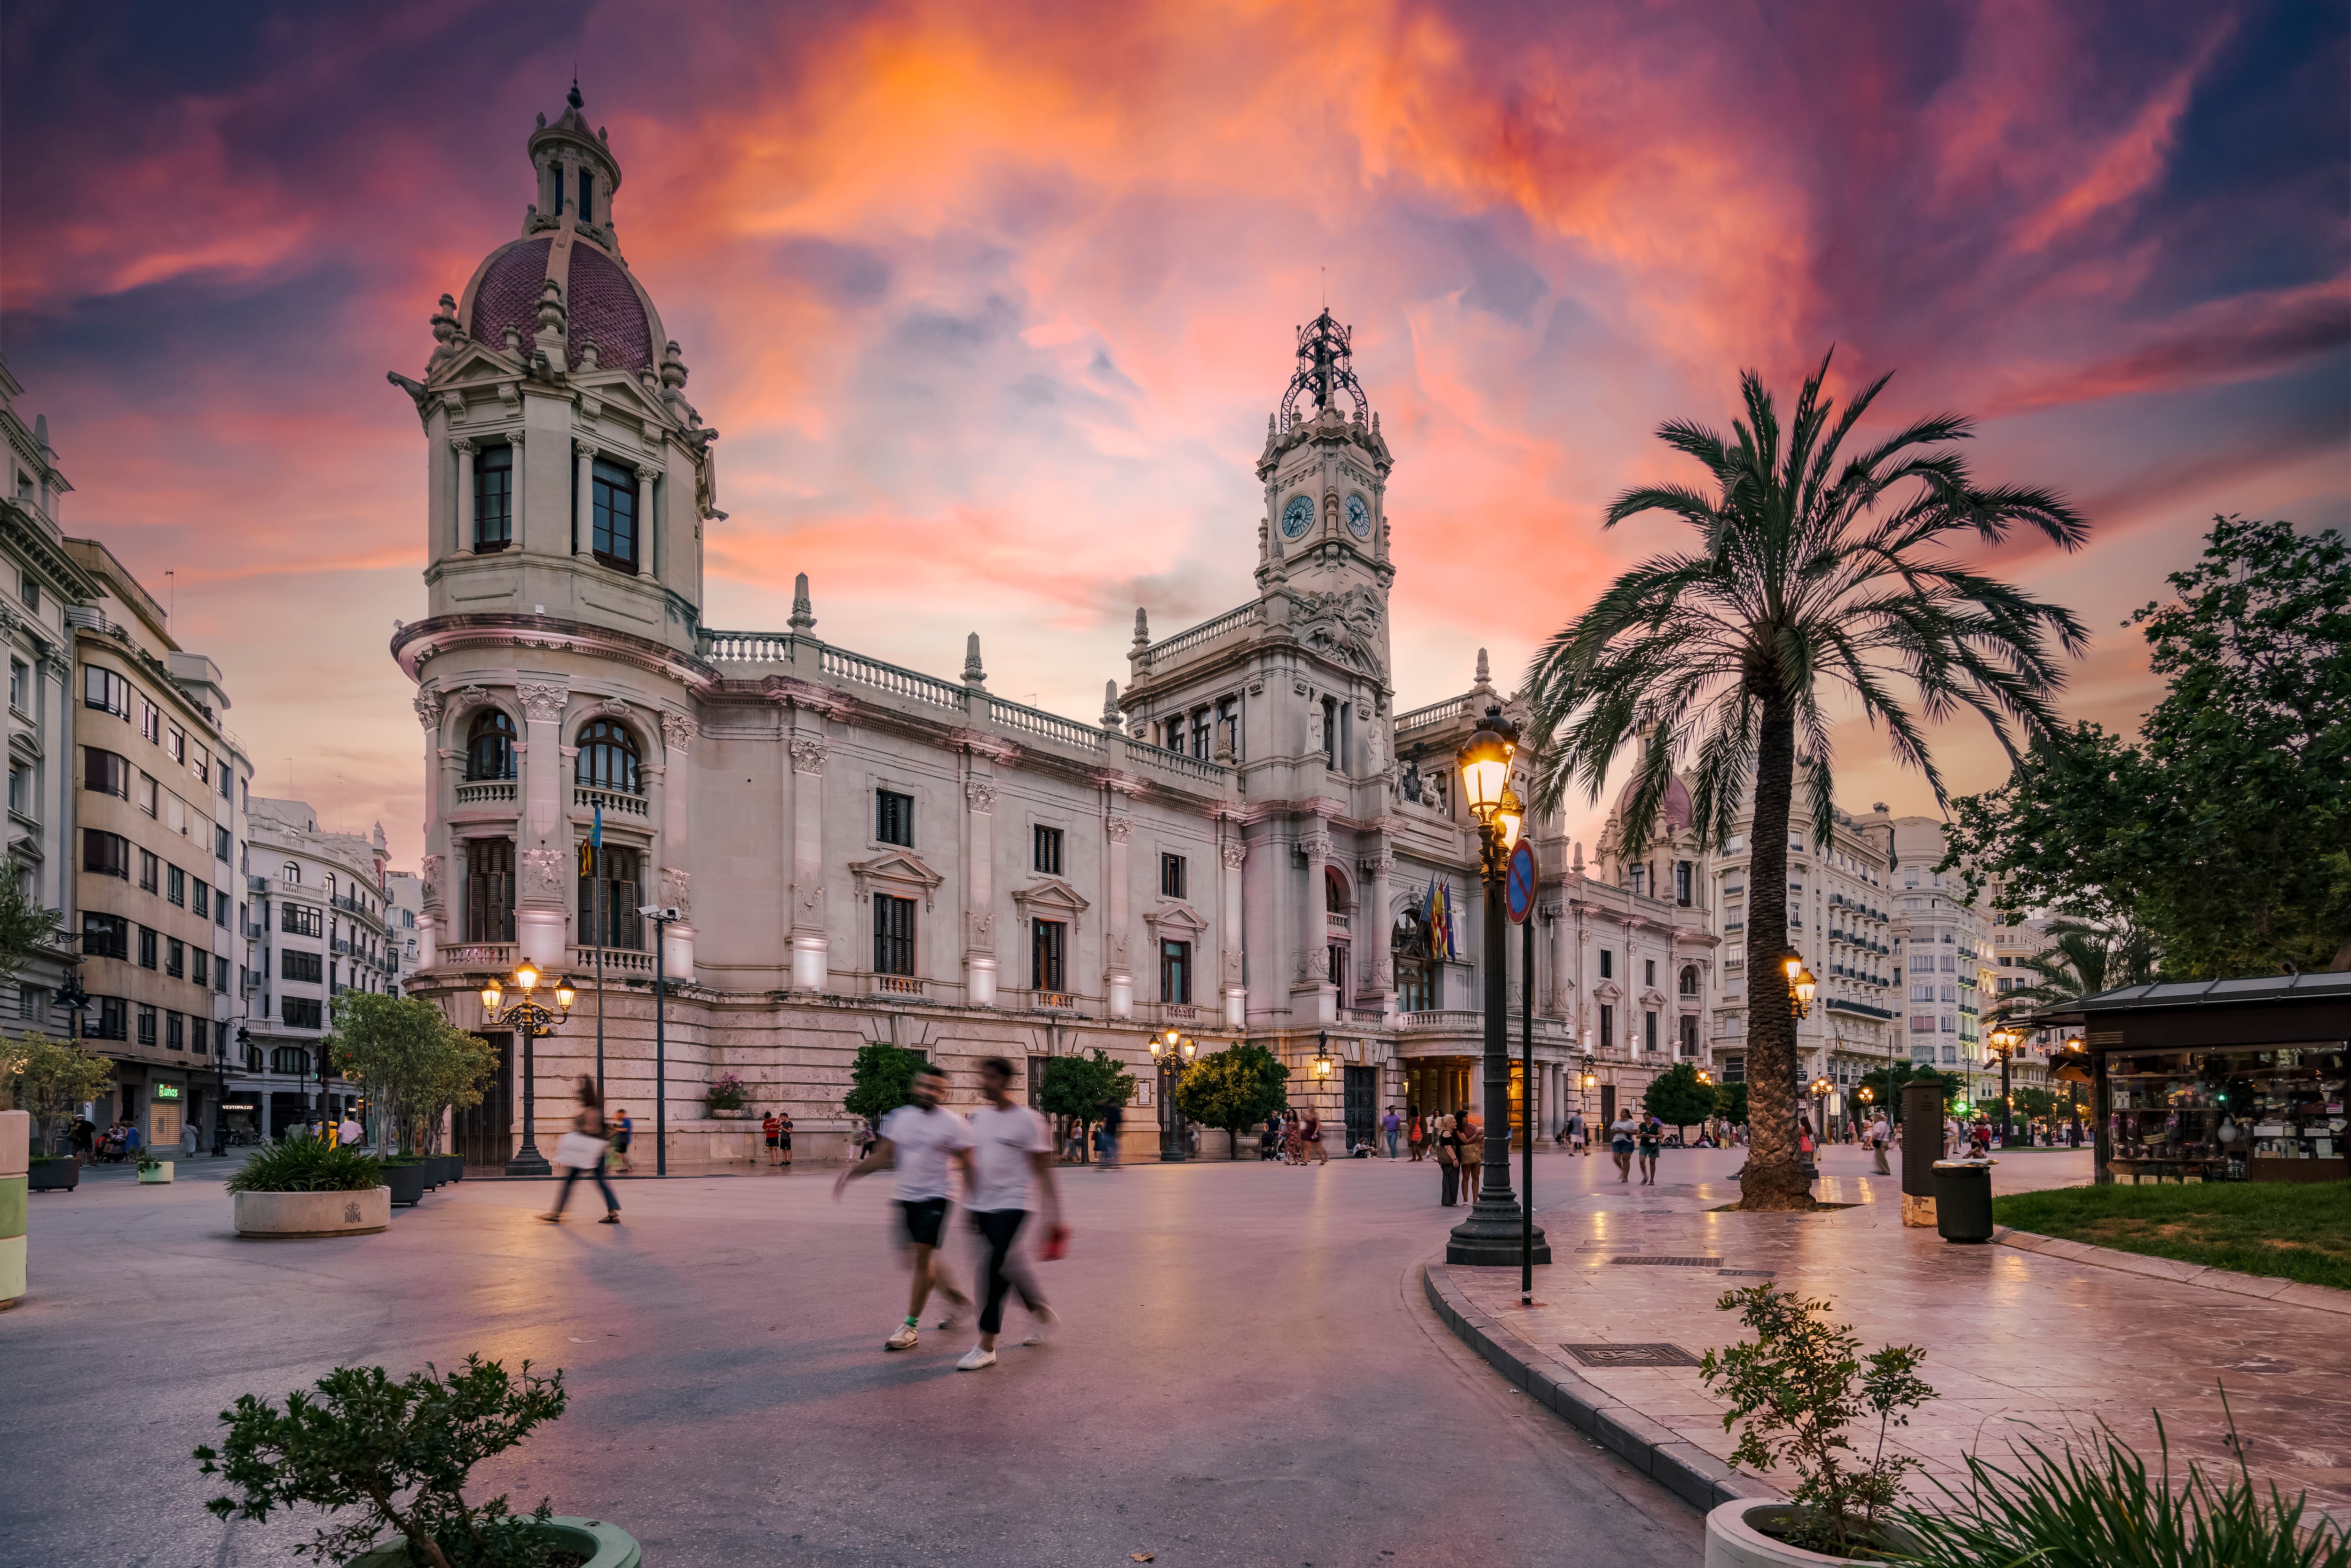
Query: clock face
{"x": 1358, "y": 518}
{"x": 1296, "y": 517}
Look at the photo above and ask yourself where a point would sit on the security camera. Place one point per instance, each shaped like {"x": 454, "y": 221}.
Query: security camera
{"x": 659, "y": 911}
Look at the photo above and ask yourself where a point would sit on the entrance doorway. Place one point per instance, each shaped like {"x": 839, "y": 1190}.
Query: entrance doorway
{"x": 1607, "y": 1107}
{"x": 483, "y": 1134}
{"x": 1435, "y": 1084}
{"x": 1363, "y": 1090}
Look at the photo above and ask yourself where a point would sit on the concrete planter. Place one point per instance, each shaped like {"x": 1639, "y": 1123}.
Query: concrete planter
{"x": 736, "y": 1113}
{"x": 293, "y": 1214}
{"x": 160, "y": 1175}
{"x": 406, "y": 1183}
{"x": 56, "y": 1175}
{"x": 1732, "y": 1539}
{"x": 604, "y": 1546}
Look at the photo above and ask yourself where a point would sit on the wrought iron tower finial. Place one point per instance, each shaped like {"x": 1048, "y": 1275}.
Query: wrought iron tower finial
{"x": 1325, "y": 369}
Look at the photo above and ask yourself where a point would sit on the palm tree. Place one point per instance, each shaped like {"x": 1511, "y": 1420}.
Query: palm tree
{"x": 2081, "y": 961}
{"x": 1814, "y": 577}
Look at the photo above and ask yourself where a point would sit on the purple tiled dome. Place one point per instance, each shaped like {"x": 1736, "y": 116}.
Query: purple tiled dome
{"x": 508, "y": 294}
{"x": 602, "y": 302}
{"x": 1676, "y": 808}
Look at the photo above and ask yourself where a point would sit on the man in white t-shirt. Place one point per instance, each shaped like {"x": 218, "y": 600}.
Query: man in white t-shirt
{"x": 920, "y": 1142}
{"x": 1011, "y": 1160}
{"x": 1881, "y": 1132}
{"x": 350, "y": 1133}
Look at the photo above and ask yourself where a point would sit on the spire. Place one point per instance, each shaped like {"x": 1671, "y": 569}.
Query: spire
{"x": 973, "y": 675}
{"x": 1485, "y": 681}
{"x": 803, "y": 614}
{"x": 1110, "y": 718}
{"x": 574, "y": 98}
{"x": 1141, "y": 628}
{"x": 1325, "y": 369}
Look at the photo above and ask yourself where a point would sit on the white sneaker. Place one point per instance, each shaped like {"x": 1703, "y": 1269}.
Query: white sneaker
{"x": 1041, "y": 1327}
{"x": 904, "y": 1339}
{"x": 951, "y": 1318}
{"x": 976, "y": 1360}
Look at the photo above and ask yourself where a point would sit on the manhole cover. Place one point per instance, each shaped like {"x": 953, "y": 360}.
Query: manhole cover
{"x": 1674, "y": 1262}
{"x": 1631, "y": 1355}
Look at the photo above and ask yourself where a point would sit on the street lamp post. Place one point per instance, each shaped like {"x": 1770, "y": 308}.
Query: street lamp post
{"x": 1801, "y": 988}
{"x": 531, "y": 1019}
{"x": 1497, "y": 1232}
{"x": 1173, "y": 1052}
{"x": 2004, "y": 1038}
{"x": 664, "y": 918}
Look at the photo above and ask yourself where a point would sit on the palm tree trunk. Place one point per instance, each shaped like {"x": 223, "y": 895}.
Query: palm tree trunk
{"x": 1774, "y": 1177}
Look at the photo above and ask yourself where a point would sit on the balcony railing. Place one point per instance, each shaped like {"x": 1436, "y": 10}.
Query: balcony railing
{"x": 583, "y": 798}
{"x": 1206, "y": 631}
{"x": 1435, "y": 712}
{"x": 1442, "y": 1018}
{"x": 899, "y": 986}
{"x": 1054, "y": 1001}
{"x": 845, "y": 665}
{"x": 476, "y": 956}
{"x": 1365, "y": 1018}
{"x": 617, "y": 961}
{"x": 746, "y": 647}
{"x": 1178, "y": 1012}
{"x": 488, "y": 793}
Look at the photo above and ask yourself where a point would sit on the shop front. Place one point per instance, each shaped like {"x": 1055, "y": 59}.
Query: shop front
{"x": 2217, "y": 1080}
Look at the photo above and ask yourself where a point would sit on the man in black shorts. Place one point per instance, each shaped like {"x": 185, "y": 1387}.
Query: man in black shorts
{"x": 920, "y": 1142}
{"x": 784, "y": 1122}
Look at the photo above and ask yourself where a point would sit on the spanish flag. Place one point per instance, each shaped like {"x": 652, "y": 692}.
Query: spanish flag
{"x": 1437, "y": 914}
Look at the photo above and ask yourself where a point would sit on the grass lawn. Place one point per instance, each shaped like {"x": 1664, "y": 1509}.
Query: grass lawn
{"x": 2285, "y": 1230}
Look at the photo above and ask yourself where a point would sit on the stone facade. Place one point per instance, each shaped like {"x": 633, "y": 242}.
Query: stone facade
{"x": 1243, "y": 847}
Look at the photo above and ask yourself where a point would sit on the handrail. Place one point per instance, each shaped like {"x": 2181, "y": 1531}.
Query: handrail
{"x": 745, "y": 647}
{"x": 890, "y": 678}
{"x": 1192, "y": 636}
{"x": 1051, "y": 726}
{"x": 1435, "y": 712}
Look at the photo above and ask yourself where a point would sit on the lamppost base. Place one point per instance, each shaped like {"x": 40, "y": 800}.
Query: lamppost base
{"x": 530, "y": 1162}
{"x": 1169, "y": 1158}
{"x": 1492, "y": 1238}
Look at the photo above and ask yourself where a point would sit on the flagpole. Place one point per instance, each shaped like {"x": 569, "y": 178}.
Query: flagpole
{"x": 596, "y": 851}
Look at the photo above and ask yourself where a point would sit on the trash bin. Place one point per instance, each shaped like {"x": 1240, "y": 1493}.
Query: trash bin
{"x": 1963, "y": 1199}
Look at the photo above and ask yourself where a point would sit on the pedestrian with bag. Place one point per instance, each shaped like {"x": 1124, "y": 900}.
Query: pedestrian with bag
{"x": 1471, "y": 1132}
{"x": 1391, "y": 1125}
{"x": 920, "y": 1142}
{"x": 1620, "y": 1144}
{"x": 1880, "y": 1135}
{"x": 1010, "y": 1164}
{"x": 1448, "y": 1161}
{"x": 582, "y": 1150}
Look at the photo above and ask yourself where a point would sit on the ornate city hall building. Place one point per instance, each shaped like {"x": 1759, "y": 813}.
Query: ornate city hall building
{"x": 1243, "y": 846}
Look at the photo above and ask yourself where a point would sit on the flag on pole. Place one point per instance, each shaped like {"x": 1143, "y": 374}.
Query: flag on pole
{"x": 595, "y": 841}
{"x": 1438, "y": 915}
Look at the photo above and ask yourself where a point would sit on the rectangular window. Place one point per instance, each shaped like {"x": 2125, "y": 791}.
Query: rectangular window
{"x": 112, "y": 1014}
{"x": 613, "y": 530}
{"x": 175, "y": 958}
{"x": 489, "y": 890}
{"x": 175, "y": 1033}
{"x": 220, "y": 907}
{"x": 1950, "y": 1025}
{"x": 219, "y": 975}
{"x": 199, "y": 761}
{"x": 1048, "y": 845}
{"x": 1649, "y": 972}
{"x": 1171, "y": 876}
{"x": 1682, "y": 883}
{"x": 893, "y": 817}
{"x": 146, "y": 947}
{"x": 147, "y": 794}
{"x": 151, "y": 874}
{"x": 105, "y": 935}
{"x": 1607, "y": 1027}
{"x": 28, "y": 588}
{"x": 201, "y": 962}
{"x": 894, "y": 935}
{"x": 20, "y": 684}
{"x": 107, "y": 854}
{"x": 1048, "y": 949}
{"x": 150, "y": 721}
{"x": 20, "y": 788}
{"x": 30, "y": 1002}
{"x": 493, "y": 499}
{"x": 300, "y": 1012}
{"x": 1921, "y": 1023}
{"x": 306, "y": 968}
{"x": 1640, "y": 881}
{"x": 104, "y": 690}
{"x": 204, "y": 904}
{"x": 1922, "y": 993}
{"x": 299, "y": 920}
{"x": 1648, "y": 1031}
{"x": 104, "y": 773}
{"x": 146, "y": 1026}
{"x": 226, "y": 785}
{"x": 1689, "y": 1034}
{"x": 175, "y": 885}
{"x": 200, "y": 1036}
{"x": 1175, "y": 971}
{"x": 220, "y": 843}
{"x": 1608, "y": 964}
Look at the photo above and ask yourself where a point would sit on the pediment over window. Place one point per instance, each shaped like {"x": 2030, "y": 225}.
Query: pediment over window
{"x": 1047, "y": 898}
{"x": 1607, "y": 991}
{"x": 1175, "y": 920}
{"x": 896, "y": 872}
{"x": 1653, "y": 997}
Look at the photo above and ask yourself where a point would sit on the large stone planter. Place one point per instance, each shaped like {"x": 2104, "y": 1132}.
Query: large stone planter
{"x": 737, "y": 1114}
{"x": 56, "y": 1175}
{"x": 406, "y": 1183}
{"x": 1732, "y": 1539}
{"x": 298, "y": 1214}
{"x": 604, "y": 1546}
{"x": 451, "y": 1168}
{"x": 160, "y": 1175}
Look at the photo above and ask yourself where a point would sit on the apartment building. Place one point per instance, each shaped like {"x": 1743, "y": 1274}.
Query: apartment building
{"x": 404, "y": 901}
{"x": 318, "y": 906}
{"x": 1943, "y": 956}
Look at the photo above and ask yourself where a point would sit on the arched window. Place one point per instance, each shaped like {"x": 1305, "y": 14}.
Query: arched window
{"x": 290, "y": 1059}
{"x": 608, "y": 758}
{"x": 293, "y": 873}
{"x": 1690, "y": 979}
{"x": 490, "y": 746}
{"x": 1334, "y": 891}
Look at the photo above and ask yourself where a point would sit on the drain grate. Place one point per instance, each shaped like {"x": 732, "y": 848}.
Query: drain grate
{"x": 1745, "y": 1273}
{"x": 1631, "y": 1355}
{"x": 1674, "y": 1262}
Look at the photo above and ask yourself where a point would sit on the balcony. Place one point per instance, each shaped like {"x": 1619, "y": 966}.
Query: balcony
{"x": 1844, "y": 1005}
{"x": 1449, "y": 1020}
{"x": 1179, "y": 1012}
{"x": 622, "y": 961}
{"x": 615, "y": 804}
{"x": 498, "y": 956}
{"x": 1363, "y": 1018}
{"x": 1053, "y": 1001}
{"x": 488, "y": 793}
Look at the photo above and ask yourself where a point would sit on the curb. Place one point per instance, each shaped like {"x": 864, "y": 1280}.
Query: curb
{"x": 2290, "y": 1292}
{"x": 1689, "y": 1472}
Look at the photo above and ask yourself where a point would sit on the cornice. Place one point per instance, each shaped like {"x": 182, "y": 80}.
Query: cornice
{"x": 415, "y": 643}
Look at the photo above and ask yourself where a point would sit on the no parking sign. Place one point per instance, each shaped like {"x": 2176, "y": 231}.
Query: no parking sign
{"x": 1519, "y": 883}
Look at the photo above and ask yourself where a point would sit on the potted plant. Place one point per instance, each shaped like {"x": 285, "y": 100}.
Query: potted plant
{"x": 417, "y": 1066}
{"x": 398, "y": 1454}
{"x": 407, "y": 1175}
{"x": 1797, "y": 1388}
{"x": 727, "y": 1099}
{"x": 304, "y": 1188}
{"x": 55, "y": 1173}
{"x": 152, "y": 1171}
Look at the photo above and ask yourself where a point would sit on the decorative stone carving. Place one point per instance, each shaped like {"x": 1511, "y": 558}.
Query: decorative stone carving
{"x": 1316, "y": 846}
{"x": 1305, "y": 965}
{"x": 611, "y": 708}
{"x": 677, "y": 732}
{"x": 808, "y": 754}
{"x": 464, "y": 699}
{"x": 1232, "y": 966}
{"x": 808, "y": 904}
{"x": 429, "y": 874}
{"x": 980, "y": 794}
{"x": 1119, "y": 951}
{"x": 544, "y": 865}
{"x": 1120, "y": 829}
{"x": 542, "y": 703}
{"x": 982, "y": 932}
{"x": 1380, "y": 977}
{"x": 1235, "y": 852}
{"x": 428, "y": 709}
{"x": 448, "y": 341}
{"x": 677, "y": 890}
{"x": 1380, "y": 865}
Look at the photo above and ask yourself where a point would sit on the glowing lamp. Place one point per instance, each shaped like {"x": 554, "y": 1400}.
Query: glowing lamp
{"x": 492, "y": 994}
{"x": 564, "y": 995}
{"x": 1508, "y": 817}
{"x": 527, "y": 976}
{"x": 1804, "y": 985}
{"x": 1485, "y": 762}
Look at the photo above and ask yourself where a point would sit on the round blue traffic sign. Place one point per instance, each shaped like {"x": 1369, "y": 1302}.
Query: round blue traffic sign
{"x": 1518, "y": 882}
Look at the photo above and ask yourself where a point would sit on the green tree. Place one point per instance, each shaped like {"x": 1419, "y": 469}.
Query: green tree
{"x": 1076, "y": 1088}
{"x": 2225, "y": 833}
{"x": 1676, "y": 1098}
{"x": 51, "y": 1079}
{"x": 1885, "y": 1085}
{"x": 26, "y": 925}
{"x": 1815, "y": 577}
{"x": 1233, "y": 1089}
{"x": 2080, "y": 961}
{"x": 414, "y": 1062}
{"x": 1730, "y": 1102}
{"x": 881, "y": 1079}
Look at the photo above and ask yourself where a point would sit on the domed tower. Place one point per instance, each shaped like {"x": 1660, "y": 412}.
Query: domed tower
{"x": 568, "y": 481}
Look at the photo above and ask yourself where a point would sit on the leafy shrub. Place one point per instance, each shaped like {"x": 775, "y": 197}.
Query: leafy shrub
{"x": 398, "y": 1451}
{"x": 1233, "y": 1089}
{"x": 881, "y": 1079}
{"x": 306, "y": 1164}
{"x": 2066, "y": 1511}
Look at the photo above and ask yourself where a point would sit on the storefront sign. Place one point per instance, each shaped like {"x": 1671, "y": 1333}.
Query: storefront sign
{"x": 167, "y": 1091}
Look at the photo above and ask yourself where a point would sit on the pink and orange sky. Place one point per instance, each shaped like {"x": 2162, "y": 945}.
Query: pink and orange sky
{"x": 990, "y": 303}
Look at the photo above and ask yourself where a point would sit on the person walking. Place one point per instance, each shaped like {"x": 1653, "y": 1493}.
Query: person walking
{"x": 770, "y": 1132}
{"x": 1310, "y": 1137}
{"x": 1011, "y": 1163}
{"x": 784, "y": 1131}
{"x": 1111, "y": 1115}
{"x": 1448, "y": 1160}
{"x": 582, "y": 1149}
{"x": 624, "y": 1132}
{"x": 920, "y": 1142}
{"x": 82, "y": 1139}
{"x": 1416, "y": 1134}
{"x": 349, "y": 1135}
{"x": 1652, "y": 1139}
{"x": 1391, "y": 1125}
{"x": 1880, "y": 1135}
{"x": 1575, "y": 1140}
{"x": 1473, "y": 1156}
{"x": 1620, "y": 1144}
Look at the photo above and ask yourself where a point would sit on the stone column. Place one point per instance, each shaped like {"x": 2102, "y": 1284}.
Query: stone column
{"x": 583, "y": 516}
{"x": 676, "y": 848}
{"x": 1118, "y": 966}
{"x": 1236, "y": 990}
{"x": 979, "y": 892}
{"x": 1313, "y": 1000}
{"x": 541, "y": 908}
{"x": 513, "y": 477}
{"x": 464, "y": 450}
{"x": 1372, "y": 935}
{"x": 429, "y": 714}
{"x": 810, "y": 944}
{"x": 649, "y": 557}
